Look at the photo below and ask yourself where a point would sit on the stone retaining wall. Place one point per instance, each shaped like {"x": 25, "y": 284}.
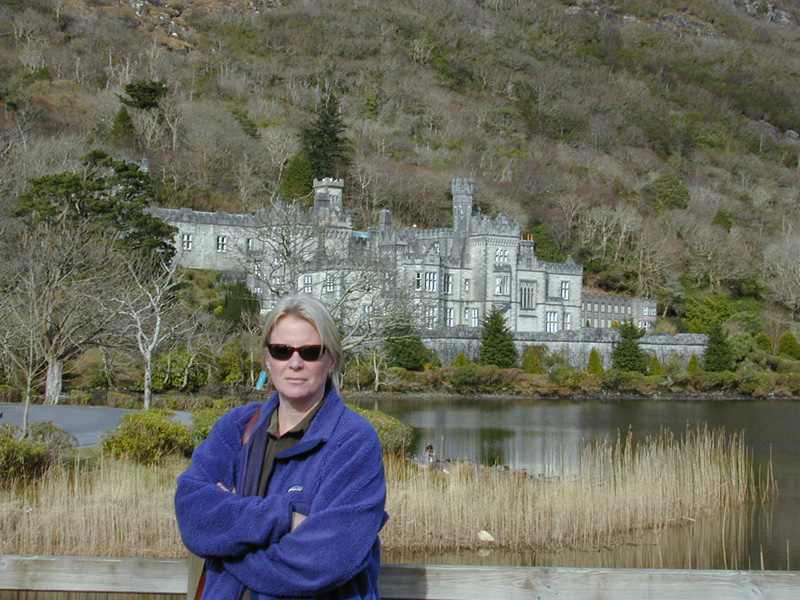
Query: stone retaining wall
{"x": 576, "y": 345}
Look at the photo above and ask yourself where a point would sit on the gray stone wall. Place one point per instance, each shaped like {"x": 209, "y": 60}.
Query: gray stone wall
{"x": 575, "y": 345}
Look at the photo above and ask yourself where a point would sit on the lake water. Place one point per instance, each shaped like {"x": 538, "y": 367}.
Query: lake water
{"x": 546, "y": 437}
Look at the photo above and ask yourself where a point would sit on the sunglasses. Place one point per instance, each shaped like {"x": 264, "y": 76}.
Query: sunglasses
{"x": 284, "y": 352}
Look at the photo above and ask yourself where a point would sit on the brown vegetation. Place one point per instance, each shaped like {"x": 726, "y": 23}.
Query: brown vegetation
{"x": 116, "y": 508}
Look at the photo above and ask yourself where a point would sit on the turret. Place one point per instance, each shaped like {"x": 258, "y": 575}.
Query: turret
{"x": 462, "y": 189}
{"x": 328, "y": 194}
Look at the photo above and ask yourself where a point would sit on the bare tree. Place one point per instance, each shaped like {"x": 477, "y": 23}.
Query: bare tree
{"x": 20, "y": 341}
{"x": 297, "y": 250}
{"x": 64, "y": 280}
{"x": 173, "y": 115}
{"x": 151, "y": 311}
{"x": 782, "y": 271}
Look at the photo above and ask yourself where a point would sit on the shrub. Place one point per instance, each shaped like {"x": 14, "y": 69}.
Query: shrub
{"x": 460, "y": 360}
{"x": 532, "y": 361}
{"x": 788, "y": 346}
{"x": 595, "y": 364}
{"x": 59, "y": 443}
{"x": 203, "y": 419}
{"x": 190, "y": 402}
{"x": 80, "y": 397}
{"x": 20, "y": 458}
{"x": 625, "y": 381}
{"x": 757, "y": 385}
{"x": 395, "y": 436}
{"x": 742, "y": 347}
{"x": 122, "y": 400}
{"x": 404, "y": 348}
{"x": 177, "y": 371}
{"x": 27, "y": 457}
{"x": 148, "y": 436}
{"x": 9, "y": 393}
{"x": 576, "y": 381}
{"x": 764, "y": 342}
{"x": 703, "y": 381}
{"x": 674, "y": 366}
{"x": 654, "y": 368}
{"x": 478, "y": 379}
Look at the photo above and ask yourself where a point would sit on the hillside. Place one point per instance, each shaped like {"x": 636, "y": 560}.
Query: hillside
{"x": 656, "y": 142}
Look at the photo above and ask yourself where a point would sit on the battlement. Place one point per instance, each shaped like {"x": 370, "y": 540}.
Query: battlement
{"x": 328, "y": 182}
{"x": 570, "y": 267}
{"x": 499, "y": 226}
{"x": 462, "y": 187}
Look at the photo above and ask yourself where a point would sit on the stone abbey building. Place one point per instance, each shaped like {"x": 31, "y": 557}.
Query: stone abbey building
{"x": 452, "y": 277}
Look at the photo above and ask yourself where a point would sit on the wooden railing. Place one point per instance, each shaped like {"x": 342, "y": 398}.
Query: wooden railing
{"x": 420, "y": 582}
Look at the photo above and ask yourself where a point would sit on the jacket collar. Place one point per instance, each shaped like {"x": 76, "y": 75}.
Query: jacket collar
{"x": 321, "y": 427}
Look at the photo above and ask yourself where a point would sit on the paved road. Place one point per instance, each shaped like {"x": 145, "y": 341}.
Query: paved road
{"x": 86, "y": 423}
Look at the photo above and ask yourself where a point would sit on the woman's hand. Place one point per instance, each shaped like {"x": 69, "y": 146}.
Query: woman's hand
{"x": 297, "y": 518}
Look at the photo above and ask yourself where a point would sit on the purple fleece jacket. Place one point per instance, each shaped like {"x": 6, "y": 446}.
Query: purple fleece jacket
{"x": 334, "y": 475}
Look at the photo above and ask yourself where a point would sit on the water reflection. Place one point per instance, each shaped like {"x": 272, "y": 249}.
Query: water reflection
{"x": 546, "y": 437}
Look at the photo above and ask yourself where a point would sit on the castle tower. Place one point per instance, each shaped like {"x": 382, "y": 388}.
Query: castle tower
{"x": 328, "y": 194}
{"x": 462, "y": 189}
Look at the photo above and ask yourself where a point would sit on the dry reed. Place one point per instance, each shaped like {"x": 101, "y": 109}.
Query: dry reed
{"x": 622, "y": 487}
{"x": 120, "y": 509}
{"x": 113, "y": 508}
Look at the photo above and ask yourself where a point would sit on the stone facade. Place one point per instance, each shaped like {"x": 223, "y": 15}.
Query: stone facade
{"x": 601, "y": 310}
{"x": 452, "y": 276}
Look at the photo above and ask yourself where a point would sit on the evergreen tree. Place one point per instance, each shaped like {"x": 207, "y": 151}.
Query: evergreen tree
{"x": 595, "y": 364}
{"x": 764, "y": 342}
{"x": 532, "y": 361}
{"x": 666, "y": 192}
{"x": 654, "y": 368}
{"x": 404, "y": 348}
{"x": 693, "y": 365}
{"x": 460, "y": 360}
{"x": 497, "y": 342}
{"x": 788, "y": 346}
{"x": 298, "y": 179}
{"x": 110, "y": 197}
{"x": 718, "y": 355}
{"x": 627, "y": 355}
{"x": 122, "y": 128}
{"x": 144, "y": 95}
{"x": 324, "y": 142}
{"x": 239, "y": 300}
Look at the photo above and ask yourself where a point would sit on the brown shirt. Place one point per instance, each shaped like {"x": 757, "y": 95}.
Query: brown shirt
{"x": 277, "y": 444}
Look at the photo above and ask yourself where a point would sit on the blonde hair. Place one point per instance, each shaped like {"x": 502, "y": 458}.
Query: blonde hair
{"x": 308, "y": 308}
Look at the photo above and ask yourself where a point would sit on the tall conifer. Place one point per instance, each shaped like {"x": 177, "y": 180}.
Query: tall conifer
{"x": 324, "y": 142}
{"x": 497, "y": 342}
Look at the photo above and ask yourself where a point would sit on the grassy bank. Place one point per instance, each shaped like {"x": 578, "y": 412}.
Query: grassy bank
{"x": 115, "y": 508}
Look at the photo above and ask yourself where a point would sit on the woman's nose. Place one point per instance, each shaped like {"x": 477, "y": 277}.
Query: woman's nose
{"x": 295, "y": 362}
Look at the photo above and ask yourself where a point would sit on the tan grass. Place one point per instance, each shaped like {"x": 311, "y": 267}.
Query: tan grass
{"x": 120, "y": 509}
{"x": 114, "y": 508}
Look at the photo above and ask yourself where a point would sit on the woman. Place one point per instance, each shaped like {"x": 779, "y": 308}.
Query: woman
{"x": 286, "y": 497}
